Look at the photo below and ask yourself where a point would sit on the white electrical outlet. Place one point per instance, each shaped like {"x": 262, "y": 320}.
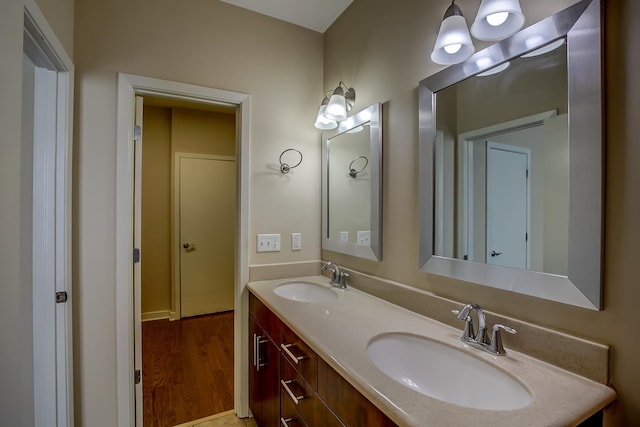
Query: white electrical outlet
{"x": 364, "y": 238}
{"x": 296, "y": 241}
{"x": 268, "y": 243}
{"x": 344, "y": 236}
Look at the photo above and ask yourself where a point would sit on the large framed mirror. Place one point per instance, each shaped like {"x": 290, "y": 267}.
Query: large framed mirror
{"x": 511, "y": 162}
{"x": 352, "y": 185}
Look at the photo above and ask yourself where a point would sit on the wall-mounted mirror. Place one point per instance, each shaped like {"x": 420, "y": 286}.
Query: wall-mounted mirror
{"x": 351, "y": 185}
{"x": 511, "y": 162}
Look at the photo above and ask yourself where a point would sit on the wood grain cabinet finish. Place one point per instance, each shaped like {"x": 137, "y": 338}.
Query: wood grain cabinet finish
{"x": 264, "y": 376}
{"x": 309, "y": 392}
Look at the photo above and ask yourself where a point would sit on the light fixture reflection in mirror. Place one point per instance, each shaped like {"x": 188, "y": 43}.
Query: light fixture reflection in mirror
{"x": 351, "y": 167}
{"x": 464, "y": 131}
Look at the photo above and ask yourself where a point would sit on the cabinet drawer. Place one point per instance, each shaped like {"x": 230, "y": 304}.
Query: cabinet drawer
{"x": 271, "y": 324}
{"x": 304, "y": 398}
{"x": 301, "y": 356}
{"x": 348, "y": 403}
{"x": 289, "y": 416}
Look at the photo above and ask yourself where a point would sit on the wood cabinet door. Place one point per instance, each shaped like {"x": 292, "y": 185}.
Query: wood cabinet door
{"x": 264, "y": 374}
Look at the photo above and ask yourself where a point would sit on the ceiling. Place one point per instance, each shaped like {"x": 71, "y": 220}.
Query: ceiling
{"x": 317, "y": 15}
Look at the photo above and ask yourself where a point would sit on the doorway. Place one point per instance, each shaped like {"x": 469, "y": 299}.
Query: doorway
{"x": 128, "y": 303}
{"x": 187, "y": 209}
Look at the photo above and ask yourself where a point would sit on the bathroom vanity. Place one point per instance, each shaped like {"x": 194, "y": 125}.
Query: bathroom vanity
{"x": 311, "y": 365}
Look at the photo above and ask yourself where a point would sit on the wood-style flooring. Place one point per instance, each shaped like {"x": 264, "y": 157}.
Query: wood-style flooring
{"x": 187, "y": 368}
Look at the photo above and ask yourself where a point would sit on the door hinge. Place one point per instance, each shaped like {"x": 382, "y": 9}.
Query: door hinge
{"x": 137, "y": 133}
{"x": 61, "y": 297}
{"x": 137, "y": 376}
{"x": 526, "y": 237}
{"x": 136, "y": 255}
{"x": 527, "y": 174}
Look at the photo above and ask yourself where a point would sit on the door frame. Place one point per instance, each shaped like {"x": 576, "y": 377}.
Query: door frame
{"x": 51, "y": 216}
{"x": 465, "y": 188}
{"x": 127, "y": 315}
{"x": 176, "y": 282}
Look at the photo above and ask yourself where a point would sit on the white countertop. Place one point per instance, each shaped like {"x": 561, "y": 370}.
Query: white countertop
{"x": 340, "y": 331}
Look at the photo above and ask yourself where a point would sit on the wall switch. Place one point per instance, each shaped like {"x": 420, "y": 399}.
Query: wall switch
{"x": 344, "y": 236}
{"x": 364, "y": 238}
{"x": 296, "y": 241}
{"x": 268, "y": 243}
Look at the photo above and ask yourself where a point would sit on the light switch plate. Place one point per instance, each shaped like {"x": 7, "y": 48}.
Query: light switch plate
{"x": 344, "y": 236}
{"x": 296, "y": 241}
{"x": 268, "y": 243}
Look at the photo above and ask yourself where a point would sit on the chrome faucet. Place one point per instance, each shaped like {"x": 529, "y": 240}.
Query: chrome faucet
{"x": 338, "y": 278}
{"x": 481, "y": 339}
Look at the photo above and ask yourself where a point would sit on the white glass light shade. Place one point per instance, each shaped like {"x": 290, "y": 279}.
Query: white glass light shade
{"x": 453, "y": 44}
{"x": 322, "y": 122}
{"x": 497, "y": 20}
{"x": 337, "y": 108}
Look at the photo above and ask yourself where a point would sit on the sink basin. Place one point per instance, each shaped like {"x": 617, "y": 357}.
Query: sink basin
{"x": 306, "y": 292}
{"x": 446, "y": 373}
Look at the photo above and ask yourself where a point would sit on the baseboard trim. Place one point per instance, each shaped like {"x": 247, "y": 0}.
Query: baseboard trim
{"x": 156, "y": 315}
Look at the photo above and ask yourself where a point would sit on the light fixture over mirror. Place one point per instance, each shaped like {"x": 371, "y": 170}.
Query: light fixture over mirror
{"x": 335, "y": 106}
{"x": 496, "y": 20}
{"x": 546, "y": 91}
{"x": 453, "y": 44}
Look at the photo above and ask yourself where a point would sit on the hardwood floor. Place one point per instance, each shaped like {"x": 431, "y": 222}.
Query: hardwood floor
{"x": 187, "y": 368}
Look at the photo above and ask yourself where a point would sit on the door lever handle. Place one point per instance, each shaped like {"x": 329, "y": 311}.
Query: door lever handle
{"x": 189, "y": 246}
{"x": 494, "y": 253}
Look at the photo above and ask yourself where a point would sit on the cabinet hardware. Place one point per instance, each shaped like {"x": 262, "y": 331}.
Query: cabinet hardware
{"x": 257, "y": 341}
{"x": 285, "y": 423}
{"x": 285, "y": 386}
{"x": 293, "y": 357}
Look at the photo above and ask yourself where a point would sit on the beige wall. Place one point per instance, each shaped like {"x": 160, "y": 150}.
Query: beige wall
{"x": 156, "y": 209}
{"x": 208, "y": 43}
{"x": 166, "y": 132}
{"x": 383, "y": 51}
{"x": 16, "y": 366}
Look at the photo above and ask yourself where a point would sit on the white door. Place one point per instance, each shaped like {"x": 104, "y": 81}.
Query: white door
{"x": 507, "y": 205}
{"x": 46, "y": 147}
{"x": 207, "y": 210}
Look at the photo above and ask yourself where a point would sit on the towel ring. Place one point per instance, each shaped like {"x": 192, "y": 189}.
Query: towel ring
{"x": 354, "y": 173}
{"x": 284, "y": 167}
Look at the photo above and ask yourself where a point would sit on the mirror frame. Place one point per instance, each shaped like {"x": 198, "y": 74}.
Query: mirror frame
{"x": 581, "y": 24}
{"x": 373, "y": 115}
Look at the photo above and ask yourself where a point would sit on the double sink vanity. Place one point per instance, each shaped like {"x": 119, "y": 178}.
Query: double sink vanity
{"x": 376, "y": 363}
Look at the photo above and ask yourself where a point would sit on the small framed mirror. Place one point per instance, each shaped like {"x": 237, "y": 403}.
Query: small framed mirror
{"x": 352, "y": 186}
{"x": 511, "y": 162}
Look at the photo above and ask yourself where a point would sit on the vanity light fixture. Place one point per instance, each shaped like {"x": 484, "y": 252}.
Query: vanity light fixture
{"x": 497, "y": 20}
{"x": 321, "y": 121}
{"x": 453, "y": 44}
{"x": 341, "y": 101}
{"x": 334, "y": 107}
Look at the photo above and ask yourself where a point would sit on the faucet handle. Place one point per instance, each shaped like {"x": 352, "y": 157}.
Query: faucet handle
{"x": 496, "y": 339}
{"x": 468, "y": 334}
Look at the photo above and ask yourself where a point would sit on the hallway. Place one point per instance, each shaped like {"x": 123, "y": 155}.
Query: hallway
{"x": 187, "y": 368}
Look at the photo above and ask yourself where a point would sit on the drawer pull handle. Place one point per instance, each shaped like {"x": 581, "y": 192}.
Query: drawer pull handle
{"x": 292, "y": 356}
{"x": 285, "y": 423}
{"x": 285, "y": 386}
